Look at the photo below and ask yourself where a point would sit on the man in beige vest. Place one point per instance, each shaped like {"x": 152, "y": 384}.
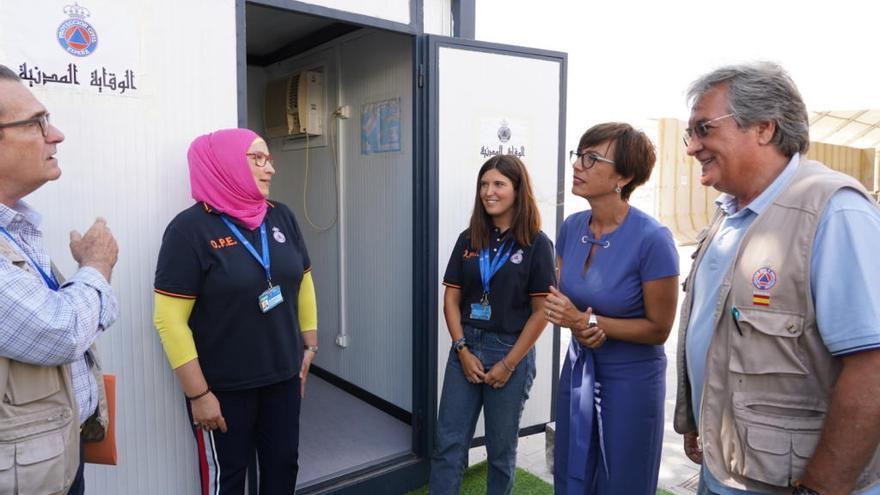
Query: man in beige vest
{"x": 51, "y": 392}
{"x": 779, "y": 344}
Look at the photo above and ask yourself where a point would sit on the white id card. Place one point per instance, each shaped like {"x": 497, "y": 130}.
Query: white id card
{"x": 270, "y": 298}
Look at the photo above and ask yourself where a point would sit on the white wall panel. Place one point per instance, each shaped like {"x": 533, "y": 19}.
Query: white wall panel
{"x": 125, "y": 159}
{"x": 437, "y": 17}
{"x": 363, "y": 264}
{"x": 377, "y": 231}
{"x": 391, "y": 10}
{"x": 477, "y": 88}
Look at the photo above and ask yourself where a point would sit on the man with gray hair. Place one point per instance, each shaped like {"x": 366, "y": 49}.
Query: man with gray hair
{"x": 50, "y": 384}
{"x": 779, "y": 344}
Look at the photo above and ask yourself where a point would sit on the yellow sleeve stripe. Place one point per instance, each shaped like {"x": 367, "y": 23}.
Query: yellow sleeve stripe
{"x": 170, "y": 316}
{"x": 308, "y": 306}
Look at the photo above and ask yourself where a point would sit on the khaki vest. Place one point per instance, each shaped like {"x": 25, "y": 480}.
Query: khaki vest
{"x": 768, "y": 380}
{"x": 39, "y": 419}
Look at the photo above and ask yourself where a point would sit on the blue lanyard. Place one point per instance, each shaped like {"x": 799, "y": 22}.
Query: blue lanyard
{"x": 50, "y": 279}
{"x": 488, "y": 268}
{"x": 264, "y": 259}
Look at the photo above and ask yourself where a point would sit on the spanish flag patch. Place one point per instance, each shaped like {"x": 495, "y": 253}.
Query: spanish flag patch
{"x": 761, "y": 299}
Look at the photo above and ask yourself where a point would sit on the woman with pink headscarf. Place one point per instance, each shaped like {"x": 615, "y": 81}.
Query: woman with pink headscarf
{"x": 235, "y": 309}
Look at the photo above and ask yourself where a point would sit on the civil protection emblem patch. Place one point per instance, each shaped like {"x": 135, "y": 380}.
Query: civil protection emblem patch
{"x": 76, "y": 36}
{"x": 764, "y": 278}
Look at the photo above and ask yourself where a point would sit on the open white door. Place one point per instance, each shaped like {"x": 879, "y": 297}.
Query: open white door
{"x": 485, "y": 98}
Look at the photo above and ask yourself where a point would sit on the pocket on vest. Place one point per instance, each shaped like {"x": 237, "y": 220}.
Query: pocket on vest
{"x": 32, "y": 451}
{"x": 768, "y": 343}
{"x": 29, "y": 382}
{"x": 775, "y": 436}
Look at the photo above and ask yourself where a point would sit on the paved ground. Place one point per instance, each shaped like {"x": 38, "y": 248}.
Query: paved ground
{"x": 677, "y": 473}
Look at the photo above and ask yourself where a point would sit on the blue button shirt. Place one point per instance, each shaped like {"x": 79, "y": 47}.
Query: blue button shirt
{"x": 847, "y": 301}
{"x": 46, "y": 327}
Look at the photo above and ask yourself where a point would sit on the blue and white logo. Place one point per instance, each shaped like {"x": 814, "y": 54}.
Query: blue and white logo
{"x": 76, "y": 36}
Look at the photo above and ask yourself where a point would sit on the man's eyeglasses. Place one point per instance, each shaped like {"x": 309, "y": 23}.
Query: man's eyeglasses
{"x": 261, "y": 159}
{"x": 587, "y": 159}
{"x": 701, "y": 129}
{"x": 42, "y": 121}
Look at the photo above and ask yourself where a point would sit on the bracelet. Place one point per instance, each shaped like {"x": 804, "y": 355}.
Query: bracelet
{"x": 199, "y": 396}
{"x": 509, "y": 369}
{"x": 312, "y": 348}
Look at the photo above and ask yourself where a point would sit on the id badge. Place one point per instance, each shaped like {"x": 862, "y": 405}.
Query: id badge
{"x": 480, "y": 311}
{"x": 270, "y": 298}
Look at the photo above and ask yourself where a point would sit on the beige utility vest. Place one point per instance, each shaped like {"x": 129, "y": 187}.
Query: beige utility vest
{"x": 39, "y": 419}
{"x": 768, "y": 376}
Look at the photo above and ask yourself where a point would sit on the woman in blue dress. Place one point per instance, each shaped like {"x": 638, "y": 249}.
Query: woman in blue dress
{"x": 618, "y": 292}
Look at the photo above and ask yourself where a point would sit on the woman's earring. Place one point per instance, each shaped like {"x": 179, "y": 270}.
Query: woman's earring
{"x": 617, "y": 189}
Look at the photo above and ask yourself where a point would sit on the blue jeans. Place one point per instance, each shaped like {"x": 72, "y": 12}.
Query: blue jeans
{"x": 78, "y": 487}
{"x": 460, "y": 405}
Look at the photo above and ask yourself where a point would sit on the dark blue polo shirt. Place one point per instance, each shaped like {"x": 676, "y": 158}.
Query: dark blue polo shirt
{"x": 239, "y": 346}
{"x": 530, "y": 271}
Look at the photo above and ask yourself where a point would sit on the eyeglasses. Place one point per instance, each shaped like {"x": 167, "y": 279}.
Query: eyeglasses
{"x": 261, "y": 159}
{"x": 587, "y": 158}
{"x": 701, "y": 129}
{"x": 42, "y": 121}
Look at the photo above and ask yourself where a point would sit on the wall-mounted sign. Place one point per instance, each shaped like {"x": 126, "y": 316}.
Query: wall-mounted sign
{"x": 380, "y": 127}
{"x": 60, "y": 47}
{"x": 501, "y": 136}
{"x": 99, "y": 79}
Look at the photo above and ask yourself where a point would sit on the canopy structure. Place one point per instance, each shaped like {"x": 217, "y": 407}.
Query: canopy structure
{"x": 858, "y": 129}
{"x": 854, "y": 128}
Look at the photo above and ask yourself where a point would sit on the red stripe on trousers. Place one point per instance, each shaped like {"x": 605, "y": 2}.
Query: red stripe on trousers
{"x": 203, "y": 461}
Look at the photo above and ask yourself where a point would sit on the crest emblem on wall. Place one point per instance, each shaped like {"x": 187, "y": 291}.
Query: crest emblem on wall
{"x": 76, "y": 36}
{"x": 504, "y": 132}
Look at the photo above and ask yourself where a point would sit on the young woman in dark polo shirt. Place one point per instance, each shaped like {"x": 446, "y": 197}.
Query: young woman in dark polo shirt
{"x": 496, "y": 281}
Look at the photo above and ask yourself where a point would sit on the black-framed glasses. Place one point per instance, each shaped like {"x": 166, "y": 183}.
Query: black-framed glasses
{"x": 587, "y": 159}
{"x": 701, "y": 129}
{"x": 261, "y": 159}
{"x": 42, "y": 121}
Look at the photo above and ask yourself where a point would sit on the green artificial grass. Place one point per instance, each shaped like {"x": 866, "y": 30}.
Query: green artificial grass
{"x": 474, "y": 483}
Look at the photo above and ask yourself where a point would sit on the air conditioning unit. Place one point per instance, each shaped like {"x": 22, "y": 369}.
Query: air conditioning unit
{"x": 295, "y": 105}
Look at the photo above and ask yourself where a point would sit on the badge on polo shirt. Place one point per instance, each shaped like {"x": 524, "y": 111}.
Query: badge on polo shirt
{"x": 270, "y": 298}
{"x": 278, "y": 235}
{"x": 763, "y": 279}
{"x": 517, "y": 257}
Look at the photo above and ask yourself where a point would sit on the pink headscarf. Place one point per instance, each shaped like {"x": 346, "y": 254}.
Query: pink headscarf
{"x": 220, "y": 175}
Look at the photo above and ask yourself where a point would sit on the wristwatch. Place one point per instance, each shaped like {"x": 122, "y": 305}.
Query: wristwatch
{"x": 459, "y": 344}
{"x": 593, "y": 321}
{"x": 312, "y": 348}
{"x": 801, "y": 489}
